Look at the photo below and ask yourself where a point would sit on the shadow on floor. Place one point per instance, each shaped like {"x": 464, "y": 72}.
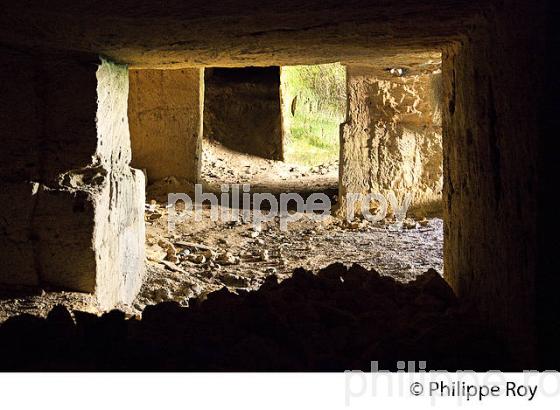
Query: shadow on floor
{"x": 340, "y": 319}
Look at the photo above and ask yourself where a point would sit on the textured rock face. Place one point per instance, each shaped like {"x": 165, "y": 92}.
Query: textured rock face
{"x": 491, "y": 122}
{"x": 242, "y": 110}
{"x": 75, "y": 218}
{"x": 287, "y": 326}
{"x": 391, "y": 141}
{"x": 242, "y": 32}
{"x": 165, "y": 116}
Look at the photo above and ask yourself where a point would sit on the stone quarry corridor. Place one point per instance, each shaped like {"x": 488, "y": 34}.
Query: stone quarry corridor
{"x": 436, "y": 115}
{"x": 201, "y": 257}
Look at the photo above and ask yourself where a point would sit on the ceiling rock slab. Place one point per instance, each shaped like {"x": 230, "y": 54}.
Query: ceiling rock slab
{"x": 148, "y": 34}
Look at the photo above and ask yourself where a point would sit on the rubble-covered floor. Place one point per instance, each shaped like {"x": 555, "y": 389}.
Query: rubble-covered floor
{"x": 221, "y": 165}
{"x": 204, "y": 256}
{"x": 198, "y": 258}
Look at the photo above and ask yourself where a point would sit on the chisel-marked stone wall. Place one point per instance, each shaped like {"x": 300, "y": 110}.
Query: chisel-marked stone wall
{"x": 165, "y": 114}
{"x": 74, "y": 208}
{"x": 392, "y": 139}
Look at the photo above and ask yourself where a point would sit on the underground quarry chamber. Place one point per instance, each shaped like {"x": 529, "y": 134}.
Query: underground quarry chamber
{"x": 106, "y": 114}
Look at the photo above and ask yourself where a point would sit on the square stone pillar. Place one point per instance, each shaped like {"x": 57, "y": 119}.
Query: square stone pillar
{"x": 73, "y": 208}
{"x": 392, "y": 140}
{"x": 492, "y": 122}
{"x": 165, "y": 114}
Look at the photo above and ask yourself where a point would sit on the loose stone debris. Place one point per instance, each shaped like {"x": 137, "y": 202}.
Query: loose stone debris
{"x": 337, "y": 319}
{"x": 199, "y": 258}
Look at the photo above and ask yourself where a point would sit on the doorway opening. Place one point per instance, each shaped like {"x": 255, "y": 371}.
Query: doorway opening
{"x": 313, "y": 107}
{"x": 272, "y": 129}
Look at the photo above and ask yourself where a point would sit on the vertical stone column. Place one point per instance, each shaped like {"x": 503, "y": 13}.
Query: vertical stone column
{"x": 391, "y": 141}
{"x": 492, "y": 125}
{"x": 165, "y": 113}
{"x": 243, "y": 110}
{"x": 74, "y": 208}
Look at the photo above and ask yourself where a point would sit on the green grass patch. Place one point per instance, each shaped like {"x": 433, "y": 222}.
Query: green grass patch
{"x": 314, "y": 106}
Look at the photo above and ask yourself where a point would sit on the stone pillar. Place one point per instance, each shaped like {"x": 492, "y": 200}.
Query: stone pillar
{"x": 492, "y": 123}
{"x": 391, "y": 141}
{"x": 72, "y": 208}
{"x": 243, "y": 110}
{"x": 165, "y": 114}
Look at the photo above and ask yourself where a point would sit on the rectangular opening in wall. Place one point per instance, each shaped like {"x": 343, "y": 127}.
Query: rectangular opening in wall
{"x": 242, "y": 110}
{"x": 313, "y": 107}
{"x": 381, "y": 128}
{"x": 303, "y": 131}
{"x": 391, "y": 151}
{"x": 385, "y": 125}
{"x": 248, "y": 136}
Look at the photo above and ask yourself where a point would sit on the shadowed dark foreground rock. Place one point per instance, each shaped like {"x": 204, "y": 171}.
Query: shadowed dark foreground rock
{"x": 339, "y": 319}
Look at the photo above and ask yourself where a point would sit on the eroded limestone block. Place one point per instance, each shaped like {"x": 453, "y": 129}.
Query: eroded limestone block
{"x": 392, "y": 140}
{"x": 63, "y": 228}
{"x": 90, "y": 234}
{"x": 72, "y": 214}
{"x": 17, "y": 243}
{"x": 119, "y": 238}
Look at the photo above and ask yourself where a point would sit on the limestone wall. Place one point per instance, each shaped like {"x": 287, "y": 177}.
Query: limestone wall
{"x": 492, "y": 123}
{"x": 242, "y": 110}
{"x": 392, "y": 139}
{"x": 73, "y": 217}
{"x": 165, "y": 114}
